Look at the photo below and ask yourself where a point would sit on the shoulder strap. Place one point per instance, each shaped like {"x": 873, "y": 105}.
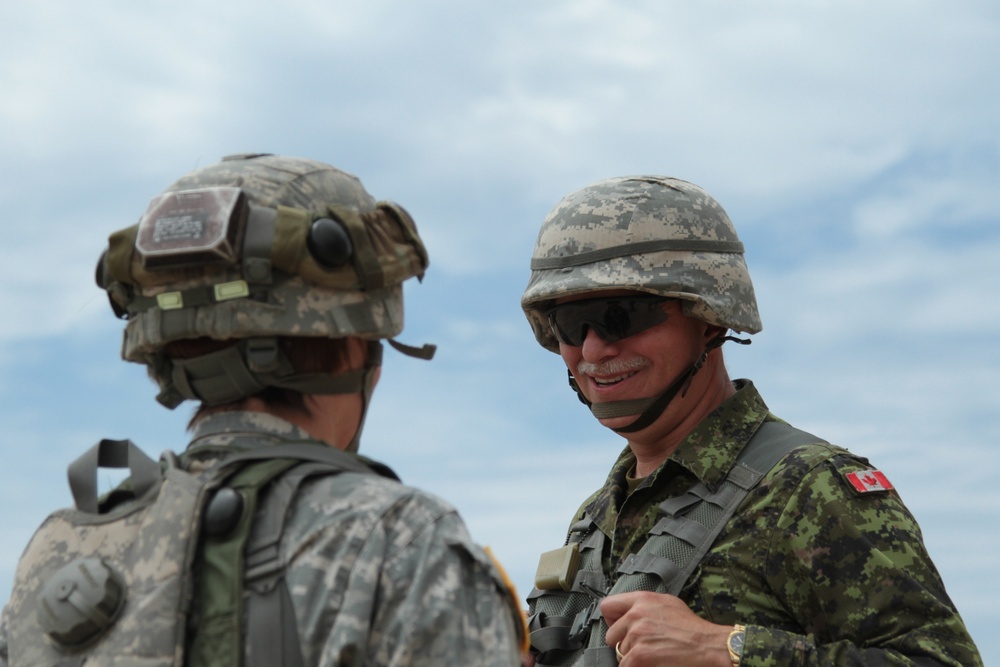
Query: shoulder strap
{"x": 246, "y": 558}
{"x": 693, "y": 521}
{"x": 772, "y": 441}
{"x": 318, "y": 453}
{"x": 269, "y": 603}
{"x": 218, "y": 636}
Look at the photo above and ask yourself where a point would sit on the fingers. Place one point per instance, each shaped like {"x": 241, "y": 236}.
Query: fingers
{"x": 614, "y": 607}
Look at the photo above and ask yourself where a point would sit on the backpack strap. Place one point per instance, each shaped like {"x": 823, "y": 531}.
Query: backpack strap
{"x": 218, "y": 636}
{"x": 243, "y": 560}
{"x": 318, "y": 453}
{"x": 269, "y": 603}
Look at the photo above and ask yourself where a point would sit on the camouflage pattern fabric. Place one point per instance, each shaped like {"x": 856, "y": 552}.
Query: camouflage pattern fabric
{"x": 273, "y": 180}
{"x": 648, "y": 233}
{"x": 380, "y": 574}
{"x": 819, "y": 573}
{"x": 312, "y": 301}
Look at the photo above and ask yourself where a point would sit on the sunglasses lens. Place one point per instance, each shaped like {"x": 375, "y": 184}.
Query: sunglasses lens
{"x": 611, "y": 319}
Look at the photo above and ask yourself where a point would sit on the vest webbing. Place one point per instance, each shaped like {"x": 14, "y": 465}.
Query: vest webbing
{"x": 129, "y": 561}
{"x": 676, "y": 545}
{"x": 268, "y": 484}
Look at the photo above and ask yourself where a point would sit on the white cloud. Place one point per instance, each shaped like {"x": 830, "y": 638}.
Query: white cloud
{"x": 855, "y": 144}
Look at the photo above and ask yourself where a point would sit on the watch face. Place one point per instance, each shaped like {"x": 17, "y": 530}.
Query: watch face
{"x": 736, "y": 642}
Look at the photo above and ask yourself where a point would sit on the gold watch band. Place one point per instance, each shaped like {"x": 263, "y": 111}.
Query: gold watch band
{"x": 734, "y": 643}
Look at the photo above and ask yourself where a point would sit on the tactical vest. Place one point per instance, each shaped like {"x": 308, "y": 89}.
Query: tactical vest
{"x": 110, "y": 582}
{"x": 567, "y": 627}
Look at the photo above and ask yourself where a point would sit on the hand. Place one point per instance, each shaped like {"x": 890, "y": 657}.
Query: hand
{"x": 654, "y": 629}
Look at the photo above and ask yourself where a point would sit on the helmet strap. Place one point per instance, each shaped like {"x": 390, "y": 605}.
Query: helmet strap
{"x": 372, "y": 364}
{"x": 246, "y": 368}
{"x": 650, "y": 409}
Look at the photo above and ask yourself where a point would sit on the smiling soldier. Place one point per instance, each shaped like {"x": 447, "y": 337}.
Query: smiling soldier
{"x": 722, "y": 536}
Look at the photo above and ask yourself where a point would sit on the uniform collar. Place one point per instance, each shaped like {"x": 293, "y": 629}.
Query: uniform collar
{"x": 708, "y": 452}
{"x": 239, "y": 429}
{"x": 711, "y": 448}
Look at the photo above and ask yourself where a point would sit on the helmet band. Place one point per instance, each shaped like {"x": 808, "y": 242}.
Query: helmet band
{"x": 639, "y": 248}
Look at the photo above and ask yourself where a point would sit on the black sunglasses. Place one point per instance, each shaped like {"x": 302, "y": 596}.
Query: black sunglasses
{"x": 612, "y": 318}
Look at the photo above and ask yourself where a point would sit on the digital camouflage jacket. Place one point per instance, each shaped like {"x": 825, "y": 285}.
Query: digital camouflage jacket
{"x": 380, "y": 574}
{"x": 819, "y": 572}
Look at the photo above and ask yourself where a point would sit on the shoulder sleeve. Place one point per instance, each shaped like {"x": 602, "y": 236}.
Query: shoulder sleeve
{"x": 445, "y": 601}
{"x": 387, "y": 575}
{"x": 849, "y": 563}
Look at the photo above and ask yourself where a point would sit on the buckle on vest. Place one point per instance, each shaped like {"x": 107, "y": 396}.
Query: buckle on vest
{"x": 580, "y": 627}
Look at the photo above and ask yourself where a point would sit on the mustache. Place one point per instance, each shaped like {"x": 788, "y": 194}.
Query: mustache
{"x": 612, "y": 367}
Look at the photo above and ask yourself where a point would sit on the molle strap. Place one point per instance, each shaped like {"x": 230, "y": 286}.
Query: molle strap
{"x": 257, "y": 242}
{"x": 549, "y": 632}
{"x": 691, "y": 532}
{"x": 678, "y": 541}
{"x": 647, "y": 563}
{"x": 678, "y": 504}
{"x": 291, "y": 229}
{"x": 722, "y": 496}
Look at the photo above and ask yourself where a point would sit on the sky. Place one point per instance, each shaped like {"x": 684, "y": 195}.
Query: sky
{"x": 856, "y": 147}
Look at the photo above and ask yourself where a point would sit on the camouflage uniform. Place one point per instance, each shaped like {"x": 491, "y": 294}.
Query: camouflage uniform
{"x": 252, "y": 251}
{"x": 819, "y": 573}
{"x": 379, "y": 573}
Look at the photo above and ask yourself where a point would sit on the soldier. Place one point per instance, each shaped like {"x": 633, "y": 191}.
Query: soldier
{"x": 722, "y": 535}
{"x": 262, "y": 287}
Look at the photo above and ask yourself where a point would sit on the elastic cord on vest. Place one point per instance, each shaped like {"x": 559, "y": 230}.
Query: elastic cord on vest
{"x": 650, "y": 409}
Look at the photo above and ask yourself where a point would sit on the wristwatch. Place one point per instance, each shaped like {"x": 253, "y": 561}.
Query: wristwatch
{"x": 735, "y": 644}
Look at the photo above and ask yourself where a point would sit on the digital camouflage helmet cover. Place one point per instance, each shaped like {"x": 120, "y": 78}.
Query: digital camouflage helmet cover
{"x": 652, "y": 234}
{"x": 254, "y": 248}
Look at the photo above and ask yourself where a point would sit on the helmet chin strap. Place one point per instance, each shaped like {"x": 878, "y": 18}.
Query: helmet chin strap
{"x": 367, "y": 381}
{"x": 367, "y": 387}
{"x": 650, "y": 409}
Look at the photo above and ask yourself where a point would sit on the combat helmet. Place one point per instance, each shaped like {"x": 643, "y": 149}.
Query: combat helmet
{"x": 653, "y": 234}
{"x": 250, "y": 249}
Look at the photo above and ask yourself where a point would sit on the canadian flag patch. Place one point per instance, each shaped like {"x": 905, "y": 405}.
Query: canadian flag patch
{"x": 866, "y": 481}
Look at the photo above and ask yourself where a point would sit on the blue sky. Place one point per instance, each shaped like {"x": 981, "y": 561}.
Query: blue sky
{"x": 855, "y": 145}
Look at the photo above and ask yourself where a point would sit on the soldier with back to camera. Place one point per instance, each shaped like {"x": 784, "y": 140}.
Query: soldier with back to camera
{"x": 722, "y": 536}
{"x": 261, "y": 287}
